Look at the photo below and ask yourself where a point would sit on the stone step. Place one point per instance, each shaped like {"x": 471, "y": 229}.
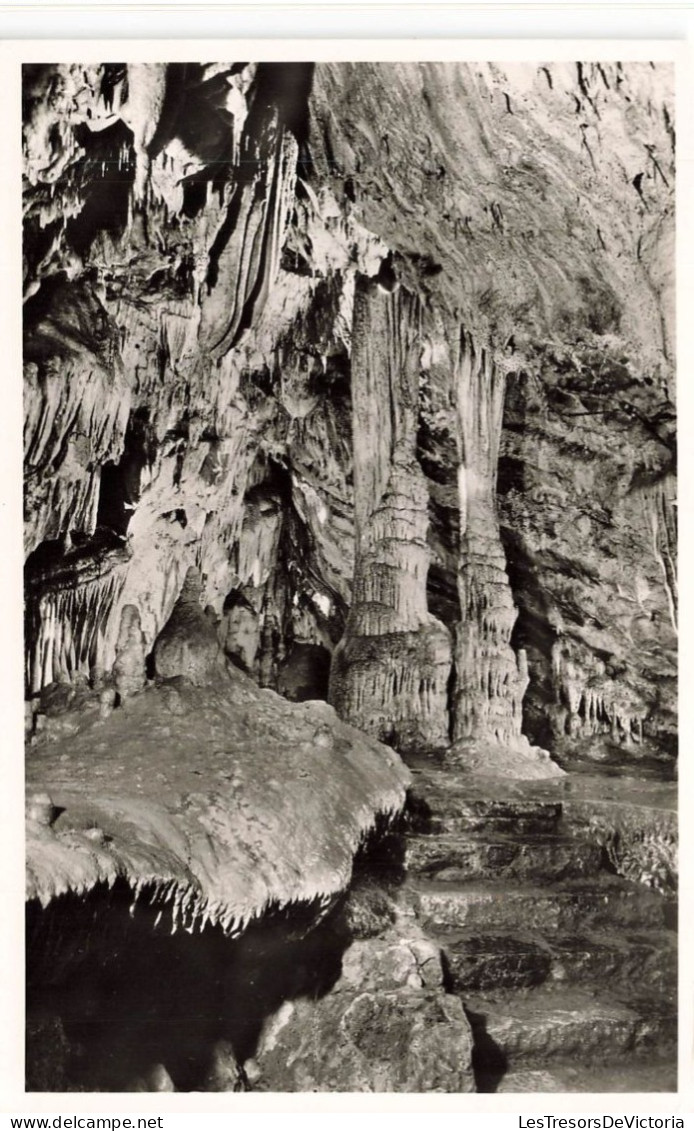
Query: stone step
{"x": 455, "y": 811}
{"x": 633, "y": 1077}
{"x": 538, "y": 856}
{"x": 567, "y": 908}
{"x": 642, "y": 959}
{"x": 539, "y": 1026}
{"x": 476, "y": 961}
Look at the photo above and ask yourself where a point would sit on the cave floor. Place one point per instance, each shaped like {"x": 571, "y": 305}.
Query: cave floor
{"x": 554, "y": 906}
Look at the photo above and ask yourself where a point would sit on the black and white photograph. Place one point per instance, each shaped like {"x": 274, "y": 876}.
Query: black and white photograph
{"x": 350, "y": 594}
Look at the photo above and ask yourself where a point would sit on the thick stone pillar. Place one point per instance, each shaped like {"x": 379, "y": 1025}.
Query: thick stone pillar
{"x": 490, "y": 679}
{"x": 390, "y": 671}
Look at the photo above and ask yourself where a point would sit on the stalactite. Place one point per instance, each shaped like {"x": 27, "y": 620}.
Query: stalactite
{"x": 245, "y": 257}
{"x": 588, "y": 704}
{"x": 76, "y": 407}
{"x": 392, "y": 645}
{"x": 66, "y": 624}
{"x": 141, "y": 112}
{"x": 659, "y": 506}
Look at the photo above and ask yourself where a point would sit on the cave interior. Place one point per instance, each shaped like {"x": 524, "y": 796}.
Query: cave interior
{"x": 350, "y": 577}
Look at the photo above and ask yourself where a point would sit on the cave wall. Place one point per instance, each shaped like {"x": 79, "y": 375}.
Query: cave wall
{"x": 200, "y": 378}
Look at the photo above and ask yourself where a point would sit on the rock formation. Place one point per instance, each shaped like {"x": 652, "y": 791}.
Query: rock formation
{"x": 391, "y": 670}
{"x": 188, "y": 646}
{"x": 214, "y": 799}
{"x": 129, "y": 668}
{"x": 490, "y": 680}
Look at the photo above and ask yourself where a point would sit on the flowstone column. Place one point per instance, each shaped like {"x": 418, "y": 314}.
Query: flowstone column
{"x": 390, "y": 672}
{"x": 490, "y": 679}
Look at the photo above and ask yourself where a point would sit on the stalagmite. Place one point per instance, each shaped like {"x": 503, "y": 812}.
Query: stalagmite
{"x": 188, "y": 645}
{"x": 390, "y": 671}
{"x": 490, "y": 679}
{"x": 129, "y": 668}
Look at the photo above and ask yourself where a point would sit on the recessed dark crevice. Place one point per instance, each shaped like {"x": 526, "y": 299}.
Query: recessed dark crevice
{"x": 64, "y": 316}
{"x": 443, "y": 599}
{"x": 489, "y": 1062}
{"x": 119, "y": 490}
{"x": 287, "y": 86}
{"x": 62, "y": 562}
{"x": 533, "y": 633}
{"x": 450, "y": 700}
{"x": 106, "y": 177}
{"x": 124, "y": 994}
{"x": 304, "y": 673}
{"x": 44, "y": 559}
{"x": 437, "y": 453}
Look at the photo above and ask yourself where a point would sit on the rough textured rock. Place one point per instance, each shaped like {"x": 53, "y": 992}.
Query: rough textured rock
{"x": 384, "y": 1041}
{"x": 390, "y": 964}
{"x": 557, "y": 959}
{"x": 660, "y": 1076}
{"x": 562, "y": 1026}
{"x": 225, "y": 1073}
{"x": 637, "y": 828}
{"x": 598, "y": 618}
{"x": 387, "y": 1021}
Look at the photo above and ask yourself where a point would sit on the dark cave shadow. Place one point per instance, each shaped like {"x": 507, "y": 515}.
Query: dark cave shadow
{"x": 419, "y": 816}
{"x": 671, "y": 912}
{"x": 380, "y": 860}
{"x": 125, "y": 994}
{"x": 489, "y": 1062}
